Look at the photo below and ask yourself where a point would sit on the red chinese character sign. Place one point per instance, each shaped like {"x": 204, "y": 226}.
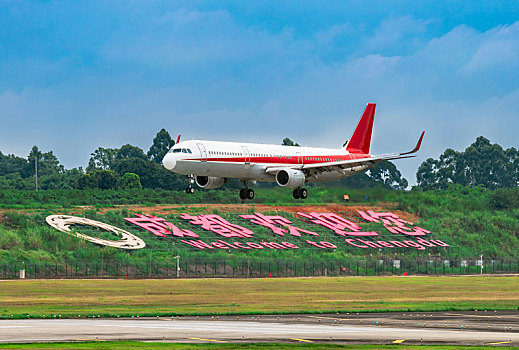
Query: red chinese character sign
{"x": 159, "y": 226}
{"x": 218, "y": 225}
{"x": 336, "y": 223}
{"x": 274, "y": 221}
{"x": 350, "y": 231}
{"x": 393, "y": 223}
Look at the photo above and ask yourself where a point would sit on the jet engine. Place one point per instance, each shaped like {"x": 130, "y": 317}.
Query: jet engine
{"x": 290, "y": 178}
{"x": 209, "y": 182}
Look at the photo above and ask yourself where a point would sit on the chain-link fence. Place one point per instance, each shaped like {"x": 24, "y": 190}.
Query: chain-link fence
{"x": 254, "y": 268}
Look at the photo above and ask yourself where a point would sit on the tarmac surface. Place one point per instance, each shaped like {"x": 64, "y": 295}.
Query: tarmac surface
{"x": 499, "y": 328}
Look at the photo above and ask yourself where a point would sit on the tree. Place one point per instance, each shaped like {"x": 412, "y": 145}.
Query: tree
{"x": 388, "y": 175}
{"x": 137, "y": 166}
{"x": 161, "y": 145}
{"x": 289, "y": 142}
{"x": 11, "y": 164}
{"x": 106, "y": 179}
{"x": 384, "y": 174}
{"x": 87, "y": 181}
{"x": 482, "y": 163}
{"x": 129, "y": 151}
{"x": 48, "y": 163}
{"x": 101, "y": 159}
{"x": 130, "y": 181}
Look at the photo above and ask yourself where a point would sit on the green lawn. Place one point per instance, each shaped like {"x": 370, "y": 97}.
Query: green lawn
{"x": 71, "y": 298}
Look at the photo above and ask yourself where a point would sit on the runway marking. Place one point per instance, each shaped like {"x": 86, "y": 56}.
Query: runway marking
{"x": 302, "y": 340}
{"x": 399, "y": 341}
{"x": 213, "y": 340}
{"x": 483, "y": 316}
{"x": 501, "y": 342}
{"x": 330, "y": 318}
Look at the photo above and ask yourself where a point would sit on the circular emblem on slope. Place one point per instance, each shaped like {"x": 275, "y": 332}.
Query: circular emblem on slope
{"x": 127, "y": 241}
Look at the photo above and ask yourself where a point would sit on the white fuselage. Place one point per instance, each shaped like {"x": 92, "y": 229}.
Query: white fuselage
{"x": 249, "y": 161}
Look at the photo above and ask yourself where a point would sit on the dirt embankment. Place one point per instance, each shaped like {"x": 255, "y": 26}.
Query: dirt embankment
{"x": 235, "y": 208}
{"x": 262, "y": 208}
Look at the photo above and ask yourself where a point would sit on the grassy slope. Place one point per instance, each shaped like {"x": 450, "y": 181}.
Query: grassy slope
{"x": 459, "y": 215}
{"x": 254, "y": 296}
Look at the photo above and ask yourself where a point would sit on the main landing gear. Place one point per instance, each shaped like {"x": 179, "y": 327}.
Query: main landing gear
{"x": 246, "y": 193}
{"x": 300, "y": 193}
{"x": 190, "y": 189}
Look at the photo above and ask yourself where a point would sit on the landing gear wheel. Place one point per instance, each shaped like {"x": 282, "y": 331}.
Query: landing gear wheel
{"x": 300, "y": 193}
{"x": 246, "y": 193}
{"x": 190, "y": 190}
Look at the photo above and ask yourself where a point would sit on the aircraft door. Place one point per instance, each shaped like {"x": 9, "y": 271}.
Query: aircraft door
{"x": 246, "y": 154}
{"x": 299, "y": 158}
{"x": 203, "y": 152}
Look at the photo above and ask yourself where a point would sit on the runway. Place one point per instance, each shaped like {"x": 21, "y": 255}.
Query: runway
{"x": 351, "y": 329}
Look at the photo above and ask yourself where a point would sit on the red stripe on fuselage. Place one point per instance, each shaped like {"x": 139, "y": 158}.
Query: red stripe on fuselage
{"x": 284, "y": 160}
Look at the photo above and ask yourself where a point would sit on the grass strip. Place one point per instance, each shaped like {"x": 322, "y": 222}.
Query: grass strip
{"x": 112, "y": 298}
{"x": 148, "y": 345}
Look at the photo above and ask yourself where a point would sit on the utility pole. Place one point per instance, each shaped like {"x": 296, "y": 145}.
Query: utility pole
{"x": 36, "y": 170}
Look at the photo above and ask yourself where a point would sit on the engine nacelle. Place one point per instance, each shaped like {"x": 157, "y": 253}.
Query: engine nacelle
{"x": 290, "y": 178}
{"x": 209, "y": 182}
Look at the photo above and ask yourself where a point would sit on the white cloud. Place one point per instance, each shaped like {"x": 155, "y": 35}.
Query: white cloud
{"x": 499, "y": 49}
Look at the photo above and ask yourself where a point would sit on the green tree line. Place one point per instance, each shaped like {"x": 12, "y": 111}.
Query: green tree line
{"x": 129, "y": 167}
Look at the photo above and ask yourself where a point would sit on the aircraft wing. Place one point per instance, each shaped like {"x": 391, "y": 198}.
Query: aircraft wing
{"x": 344, "y": 165}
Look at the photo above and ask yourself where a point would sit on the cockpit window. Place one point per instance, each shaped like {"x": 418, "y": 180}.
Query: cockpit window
{"x": 188, "y": 150}
{"x": 177, "y": 150}
{"x": 184, "y": 150}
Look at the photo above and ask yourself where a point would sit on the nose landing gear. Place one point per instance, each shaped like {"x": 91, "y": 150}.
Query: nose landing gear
{"x": 300, "y": 193}
{"x": 190, "y": 189}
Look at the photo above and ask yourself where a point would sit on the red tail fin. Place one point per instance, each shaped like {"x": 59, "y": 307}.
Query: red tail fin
{"x": 361, "y": 138}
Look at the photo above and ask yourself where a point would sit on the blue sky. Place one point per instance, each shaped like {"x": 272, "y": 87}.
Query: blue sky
{"x": 75, "y": 76}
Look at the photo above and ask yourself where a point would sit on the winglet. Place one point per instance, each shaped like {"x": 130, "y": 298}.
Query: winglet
{"x": 417, "y": 147}
{"x": 361, "y": 139}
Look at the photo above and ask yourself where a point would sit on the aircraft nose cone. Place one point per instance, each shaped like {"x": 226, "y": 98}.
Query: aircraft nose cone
{"x": 169, "y": 161}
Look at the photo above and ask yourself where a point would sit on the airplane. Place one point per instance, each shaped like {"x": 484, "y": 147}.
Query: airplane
{"x": 210, "y": 163}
